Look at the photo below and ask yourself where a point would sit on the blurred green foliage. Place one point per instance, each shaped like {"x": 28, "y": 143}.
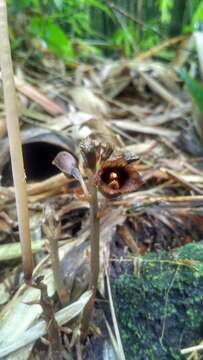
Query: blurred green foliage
{"x": 194, "y": 88}
{"x": 58, "y": 26}
{"x": 198, "y": 14}
{"x": 73, "y": 29}
{"x": 165, "y": 8}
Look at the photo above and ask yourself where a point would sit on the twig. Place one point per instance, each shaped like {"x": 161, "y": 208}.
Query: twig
{"x": 130, "y": 17}
{"x": 166, "y": 305}
{"x": 138, "y": 201}
{"x": 191, "y": 349}
{"x": 164, "y": 45}
{"x": 15, "y": 143}
{"x": 181, "y": 180}
{"x": 113, "y": 314}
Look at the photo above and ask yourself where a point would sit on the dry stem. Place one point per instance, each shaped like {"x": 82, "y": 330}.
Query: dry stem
{"x": 15, "y": 143}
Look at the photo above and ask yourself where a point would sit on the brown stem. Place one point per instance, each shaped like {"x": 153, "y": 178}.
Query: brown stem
{"x": 94, "y": 239}
{"x": 94, "y": 260}
{"x": 15, "y": 142}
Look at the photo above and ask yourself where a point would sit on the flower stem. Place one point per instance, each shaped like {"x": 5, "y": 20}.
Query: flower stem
{"x": 94, "y": 239}
{"x": 94, "y": 258}
{"x": 15, "y": 142}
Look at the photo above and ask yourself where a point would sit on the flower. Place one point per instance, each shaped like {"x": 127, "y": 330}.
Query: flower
{"x": 112, "y": 173}
{"x": 117, "y": 176}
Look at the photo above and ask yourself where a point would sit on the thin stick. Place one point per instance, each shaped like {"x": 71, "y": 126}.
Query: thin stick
{"x": 114, "y": 319}
{"x": 191, "y": 349}
{"x": 162, "y": 201}
{"x": 132, "y": 18}
{"x": 15, "y": 143}
{"x": 158, "y": 48}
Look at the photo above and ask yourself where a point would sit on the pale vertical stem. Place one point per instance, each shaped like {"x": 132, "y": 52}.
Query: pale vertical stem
{"x": 15, "y": 142}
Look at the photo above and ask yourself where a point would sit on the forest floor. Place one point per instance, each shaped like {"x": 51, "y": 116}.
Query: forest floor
{"x": 141, "y": 107}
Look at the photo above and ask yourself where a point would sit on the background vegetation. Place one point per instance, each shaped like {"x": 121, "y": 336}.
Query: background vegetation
{"x": 84, "y": 28}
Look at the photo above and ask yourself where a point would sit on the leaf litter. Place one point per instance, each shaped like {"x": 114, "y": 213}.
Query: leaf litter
{"x": 139, "y": 106}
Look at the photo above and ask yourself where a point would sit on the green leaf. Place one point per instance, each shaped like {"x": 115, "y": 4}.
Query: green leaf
{"x": 58, "y": 4}
{"x": 194, "y": 88}
{"x": 198, "y": 15}
{"x": 165, "y": 7}
{"x": 54, "y": 37}
{"x": 98, "y": 5}
{"x": 125, "y": 38}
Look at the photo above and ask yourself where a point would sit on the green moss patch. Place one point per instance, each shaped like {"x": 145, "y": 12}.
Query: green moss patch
{"x": 159, "y": 310}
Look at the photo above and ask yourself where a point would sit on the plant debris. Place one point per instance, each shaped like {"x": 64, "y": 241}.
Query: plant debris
{"x": 138, "y": 115}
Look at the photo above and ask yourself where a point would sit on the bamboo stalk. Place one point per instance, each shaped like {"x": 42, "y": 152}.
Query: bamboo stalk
{"x": 15, "y": 143}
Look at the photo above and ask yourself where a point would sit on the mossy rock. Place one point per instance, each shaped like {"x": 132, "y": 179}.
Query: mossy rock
{"x": 159, "y": 311}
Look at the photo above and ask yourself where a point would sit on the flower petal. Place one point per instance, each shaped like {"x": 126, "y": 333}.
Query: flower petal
{"x": 65, "y": 162}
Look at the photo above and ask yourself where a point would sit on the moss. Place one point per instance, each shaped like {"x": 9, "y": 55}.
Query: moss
{"x": 160, "y": 311}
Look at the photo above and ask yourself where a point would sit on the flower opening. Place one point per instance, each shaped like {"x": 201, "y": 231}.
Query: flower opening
{"x": 117, "y": 176}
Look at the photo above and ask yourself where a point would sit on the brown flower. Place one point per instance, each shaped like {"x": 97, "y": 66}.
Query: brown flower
{"x": 117, "y": 176}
